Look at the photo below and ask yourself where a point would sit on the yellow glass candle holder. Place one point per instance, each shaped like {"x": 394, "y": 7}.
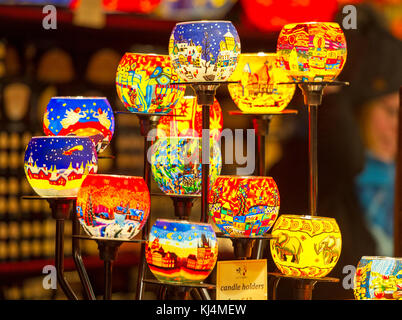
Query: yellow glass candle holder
{"x": 258, "y": 90}
{"x": 306, "y": 246}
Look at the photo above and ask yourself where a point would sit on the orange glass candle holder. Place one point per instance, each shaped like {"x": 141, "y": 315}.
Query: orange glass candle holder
{"x": 113, "y": 206}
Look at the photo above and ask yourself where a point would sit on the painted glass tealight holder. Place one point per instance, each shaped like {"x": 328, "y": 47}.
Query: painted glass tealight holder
{"x": 176, "y": 164}
{"x": 180, "y": 251}
{"x": 312, "y": 51}
{"x": 378, "y": 278}
{"x": 80, "y": 116}
{"x": 145, "y": 83}
{"x": 258, "y": 90}
{"x": 204, "y": 51}
{"x": 113, "y": 206}
{"x": 57, "y": 166}
{"x": 245, "y": 206}
{"x": 305, "y": 246}
{"x": 189, "y": 120}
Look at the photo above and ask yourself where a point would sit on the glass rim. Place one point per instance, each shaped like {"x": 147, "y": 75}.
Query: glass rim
{"x": 62, "y": 137}
{"x": 105, "y": 175}
{"x": 149, "y": 54}
{"x": 78, "y": 98}
{"x": 306, "y": 217}
{"x": 184, "y": 222}
{"x": 203, "y": 21}
{"x": 380, "y": 258}
{"x": 311, "y": 23}
{"x": 245, "y": 177}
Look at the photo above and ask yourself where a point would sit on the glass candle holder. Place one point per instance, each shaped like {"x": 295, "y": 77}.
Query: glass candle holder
{"x": 258, "y": 90}
{"x": 204, "y": 50}
{"x": 378, "y": 278}
{"x": 80, "y": 116}
{"x": 113, "y": 206}
{"x": 180, "y": 251}
{"x": 176, "y": 164}
{"x": 144, "y": 83}
{"x": 57, "y": 166}
{"x": 312, "y": 51}
{"x": 189, "y": 122}
{"x": 307, "y": 246}
{"x": 244, "y": 206}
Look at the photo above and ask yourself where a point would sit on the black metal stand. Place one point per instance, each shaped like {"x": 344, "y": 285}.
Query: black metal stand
{"x": 303, "y": 286}
{"x": 61, "y": 210}
{"x": 79, "y": 264}
{"x": 108, "y": 249}
{"x": 182, "y": 291}
{"x": 205, "y": 93}
{"x": 313, "y": 93}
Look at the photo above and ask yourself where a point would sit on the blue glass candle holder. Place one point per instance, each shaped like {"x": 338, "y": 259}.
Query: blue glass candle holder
{"x": 378, "y": 278}
{"x": 204, "y": 51}
{"x": 57, "y": 166}
{"x": 80, "y": 116}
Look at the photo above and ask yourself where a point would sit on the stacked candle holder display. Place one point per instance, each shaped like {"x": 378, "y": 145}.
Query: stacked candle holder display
{"x": 182, "y": 154}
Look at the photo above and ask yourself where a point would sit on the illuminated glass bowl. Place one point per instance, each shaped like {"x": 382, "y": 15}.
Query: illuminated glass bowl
{"x": 80, "y": 116}
{"x": 180, "y": 251}
{"x": 378, "y": 278}
{"x": 258, "y": 90}
{"x": 144, "y": 83}
{"x": 307, "y": 246}
{"x": 244, "y": 206}
{"x": 312, "y": 51}
{"x": 57, "y": 166}
{"x": 204, "y": 50}
{"x": 189, "y": 120}
{"x": 177, "y": 167}
{"x": 113, "y": 206}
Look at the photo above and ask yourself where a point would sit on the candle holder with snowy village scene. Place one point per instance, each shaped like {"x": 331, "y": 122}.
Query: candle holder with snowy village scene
{"x": 112, "y": 206}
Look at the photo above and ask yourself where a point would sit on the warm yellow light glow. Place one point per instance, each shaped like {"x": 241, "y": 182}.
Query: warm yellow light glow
{"x": 305, "y": 245}
{"x": 258, "y": 90}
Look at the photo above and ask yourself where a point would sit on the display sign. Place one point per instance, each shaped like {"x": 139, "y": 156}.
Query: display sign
{"x": 242, "y": 280}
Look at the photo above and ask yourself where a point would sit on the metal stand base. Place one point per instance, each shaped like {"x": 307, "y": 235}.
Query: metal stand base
{"x": 303, "y": 286}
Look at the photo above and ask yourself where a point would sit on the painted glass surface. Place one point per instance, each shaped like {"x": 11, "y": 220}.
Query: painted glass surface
{"x": 305, "y": 245}
{"x": 258, "y": 90}
{"x": 80, "y": 116}
{"x": 177, "y": 167}
{"x": 181, "y": 251}
{"x": 204, "y": 50}
{"x": 244, "y": 206}
{"x": 144, "y": 83}
{"x": 314, "y": 51}
{"x": 112, "y": 206}
{"x": 57, "y": 166}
